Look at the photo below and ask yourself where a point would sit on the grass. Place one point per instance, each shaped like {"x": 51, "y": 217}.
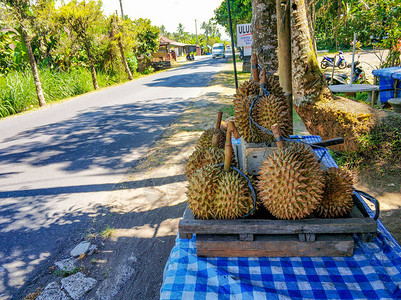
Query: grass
{"x": 108, "y": 232}
{"x": 18, "y": 92}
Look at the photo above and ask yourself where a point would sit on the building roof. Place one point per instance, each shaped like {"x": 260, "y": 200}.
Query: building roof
{"x": 166, "y": 41}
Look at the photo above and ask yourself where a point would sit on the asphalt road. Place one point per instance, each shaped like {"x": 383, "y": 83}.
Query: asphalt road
{"x": 58, "y": 164}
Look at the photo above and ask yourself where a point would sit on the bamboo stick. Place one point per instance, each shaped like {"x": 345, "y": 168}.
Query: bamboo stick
{"x": 255, "y": 68}
{"x": 277, "y": 135}
{"x": 228, "y": 153}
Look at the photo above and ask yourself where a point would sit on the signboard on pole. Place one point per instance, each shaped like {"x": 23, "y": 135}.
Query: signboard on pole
{"x": 244, "y": 35}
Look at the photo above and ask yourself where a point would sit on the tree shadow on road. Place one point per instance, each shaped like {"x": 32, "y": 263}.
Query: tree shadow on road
{"x": 98, "y": 138}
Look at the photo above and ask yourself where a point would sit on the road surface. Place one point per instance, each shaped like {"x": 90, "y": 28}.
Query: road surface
{"x": 58, "y": 164}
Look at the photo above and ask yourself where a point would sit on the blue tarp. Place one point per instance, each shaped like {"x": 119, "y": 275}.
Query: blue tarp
{"x": 387, "y": 78}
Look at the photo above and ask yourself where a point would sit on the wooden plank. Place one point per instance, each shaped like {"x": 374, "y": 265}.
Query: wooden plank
{"x": 274, "y": 246}
{"x": 265, "y": 226}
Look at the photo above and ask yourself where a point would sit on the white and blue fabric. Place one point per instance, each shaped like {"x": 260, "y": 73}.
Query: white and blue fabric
{"x": 373, "y": 272}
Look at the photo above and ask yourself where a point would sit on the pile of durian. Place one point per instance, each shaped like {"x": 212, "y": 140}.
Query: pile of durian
{"x": 291, "y": 184}
{"x": 215, "y": 192}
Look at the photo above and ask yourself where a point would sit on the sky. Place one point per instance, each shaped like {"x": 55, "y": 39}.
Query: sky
{"x": 168, "y": 12}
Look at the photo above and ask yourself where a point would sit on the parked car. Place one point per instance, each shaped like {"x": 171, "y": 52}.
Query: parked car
{"x": 218, "y": 50}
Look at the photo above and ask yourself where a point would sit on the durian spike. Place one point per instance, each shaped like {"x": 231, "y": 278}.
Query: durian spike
{"x": 255, "y": 69}
{"x": 277, "y": 135}
{"x": 216, "y": 136}
{"x": 228, "y": 153}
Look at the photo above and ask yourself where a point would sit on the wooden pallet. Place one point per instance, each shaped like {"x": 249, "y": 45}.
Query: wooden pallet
{"x": 272, "y": 237}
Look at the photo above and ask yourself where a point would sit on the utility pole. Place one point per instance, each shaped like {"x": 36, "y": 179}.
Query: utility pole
{"x": 232, "y": 44}
{"x": 196, "y": 32}
{"x": 121, "y": 6}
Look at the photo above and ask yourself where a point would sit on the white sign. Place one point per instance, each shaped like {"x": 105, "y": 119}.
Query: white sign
{"x": 247, "y": 50}
{"x": 244, "y": 35}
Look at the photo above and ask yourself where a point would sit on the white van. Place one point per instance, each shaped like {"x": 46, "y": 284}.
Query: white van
{"x": 218, "y": 50}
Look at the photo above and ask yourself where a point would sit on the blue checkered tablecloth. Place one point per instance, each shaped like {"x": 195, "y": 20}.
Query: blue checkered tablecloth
{"x": 373, "y": 272}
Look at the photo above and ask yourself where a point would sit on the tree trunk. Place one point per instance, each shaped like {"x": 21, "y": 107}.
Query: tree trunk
{"x": 120, "y": 45}
{"x": 264, "y": 34}
{"x": 284, "y": 52}
{"x": 308, "y": 81}
{"x": 92, "y": 66}
{"x": 34, "y": 69}
{"x": 114, "y": 30}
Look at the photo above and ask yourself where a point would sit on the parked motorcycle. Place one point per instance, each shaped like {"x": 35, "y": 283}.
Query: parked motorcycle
{"x": 359, "y": 75}
{"x": 329, "y": 61}
{"x": 190, "y": 56}
{"x": 337, "y": 79}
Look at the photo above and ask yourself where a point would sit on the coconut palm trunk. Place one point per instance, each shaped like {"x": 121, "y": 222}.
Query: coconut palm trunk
{"x": 34, "y": 69}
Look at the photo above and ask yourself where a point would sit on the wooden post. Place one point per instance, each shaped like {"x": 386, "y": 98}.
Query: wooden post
{"x": 284, "y": 51}
{"x": 218, "y": 121}
{"x": 277, "y": 135}
{"x": 216, "y": 136}
{"x": 255, "y": 68}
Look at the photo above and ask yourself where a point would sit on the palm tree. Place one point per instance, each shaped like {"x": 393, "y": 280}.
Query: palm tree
{"x": 20, "y": 12}
{"x": 207, "y": 27}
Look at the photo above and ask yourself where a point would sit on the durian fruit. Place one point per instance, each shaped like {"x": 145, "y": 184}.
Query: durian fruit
{"x": 201, "y": 190}
{"x": 219, "y": 194}
{"x": 291, "y": 182}
{"x": 246, "y": 92}
{"x": 337, "y": 194}
{"x": 271, "y": 110}
{"x": 206, "y": 139}
{"x": 241, "y": 113}
{"x": 233, "y": 197}
{"x": 274, "y": 88}
{"x": 202, "y": 157}
{"x": 248, "y": 88}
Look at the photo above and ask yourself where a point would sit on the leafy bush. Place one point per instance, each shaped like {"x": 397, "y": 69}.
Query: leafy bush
{"x": 132, "y": 62}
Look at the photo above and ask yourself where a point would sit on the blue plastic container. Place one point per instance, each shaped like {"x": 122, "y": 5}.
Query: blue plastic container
{"x": 387, "y": 77}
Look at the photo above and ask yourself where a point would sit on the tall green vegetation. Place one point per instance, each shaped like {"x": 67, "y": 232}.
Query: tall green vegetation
{"x": 21, "y": 16}
{"x": 241, "y": 13}
{"x": 67, "y": 47}
{"x": 83, "y": 19}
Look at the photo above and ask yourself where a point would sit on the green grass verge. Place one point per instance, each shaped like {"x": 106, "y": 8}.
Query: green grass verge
{"x": 18, "y": 91}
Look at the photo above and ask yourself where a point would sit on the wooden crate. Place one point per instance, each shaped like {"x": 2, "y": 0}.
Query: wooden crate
{"x": 250, "y": 155}
{"x": 263, "y": 237}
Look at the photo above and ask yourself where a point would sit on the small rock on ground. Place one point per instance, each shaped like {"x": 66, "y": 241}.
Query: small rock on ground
{"x": 67, "y": 264}
{"x": 80, "y": 249}
{"x": 77, "y": 285}
{"x": 92, "y": 249}
{"x": 53, "y": 292}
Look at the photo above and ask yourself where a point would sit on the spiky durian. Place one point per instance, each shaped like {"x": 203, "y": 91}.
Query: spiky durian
{"x": 291, "y": 182}
{"x": 201, "y": 189}
{"x": 206, "y": 139}
{"x": 215, "y": 194}
{"x": 249, "y": 133}
{"x": 272, "y": 110}
{"x": 274, "y": 88}
{"x": 233, "y": 197}
{"x": 337, "y": 194}
{"x": 248, "y": 88}
{"x": 202, "y": 157}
